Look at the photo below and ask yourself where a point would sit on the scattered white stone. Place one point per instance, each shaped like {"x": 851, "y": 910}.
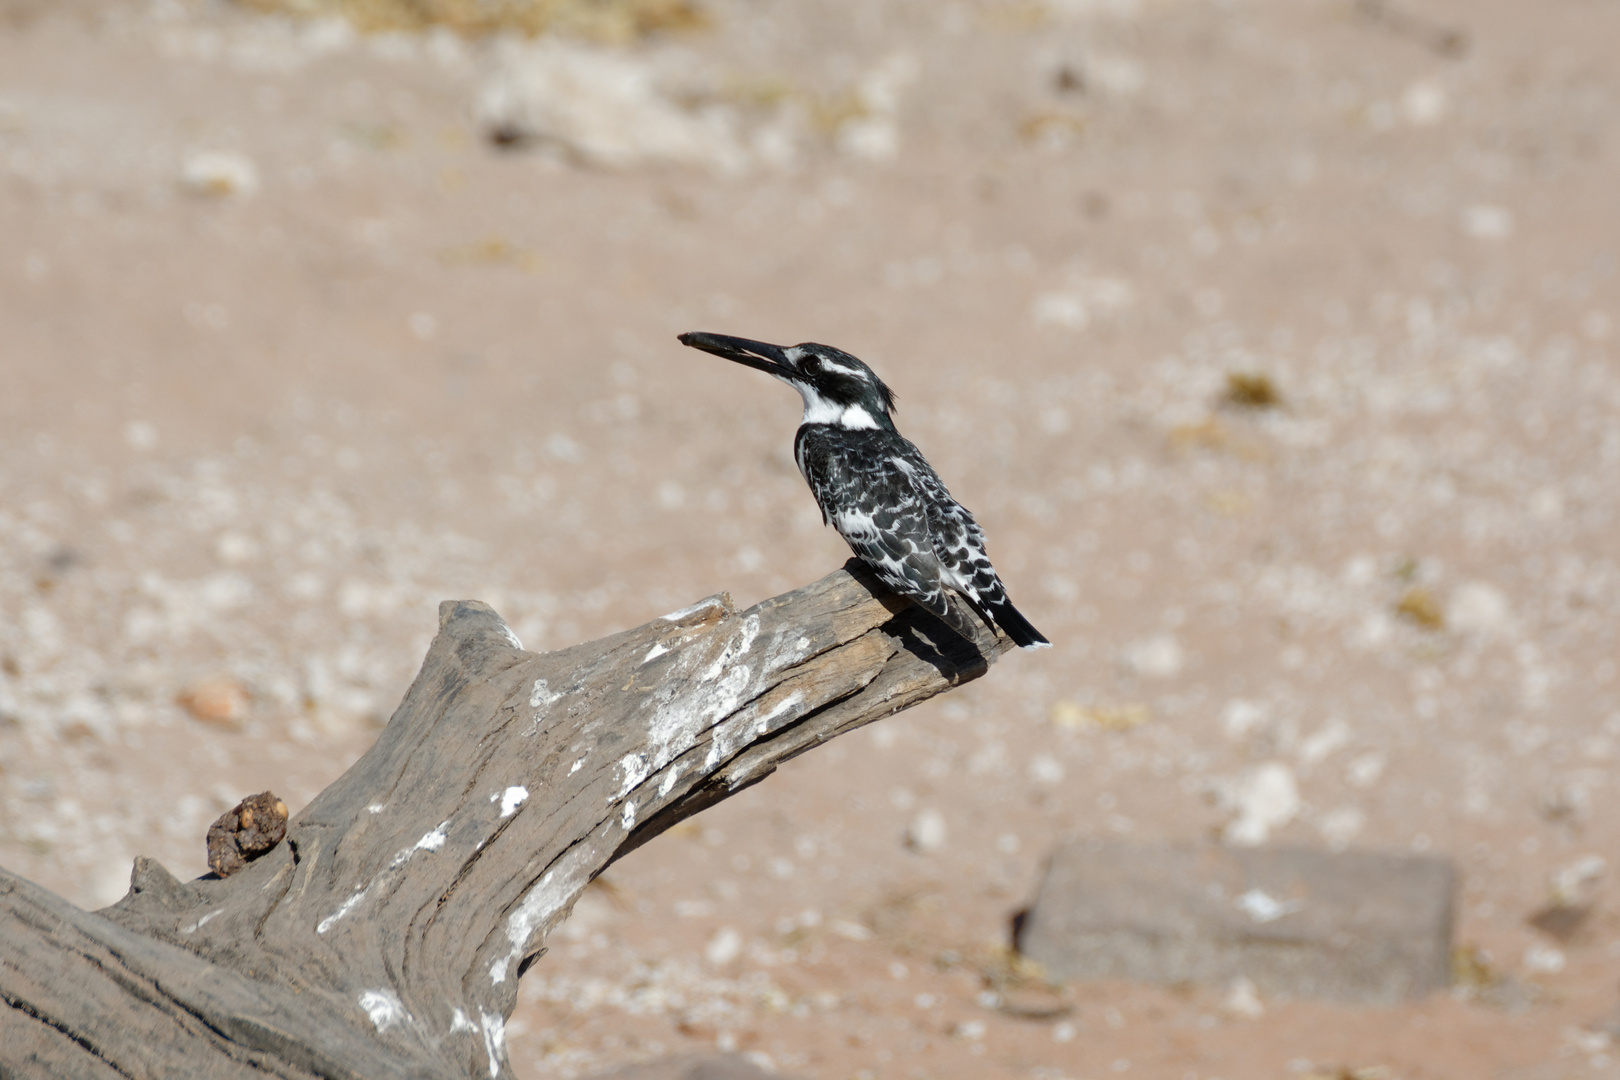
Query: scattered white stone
{"x": 1365, "y": 770}
{"x": 1484, "y": 222}
{"x": 234, "y": 549}
{"x": 1082, "y": 299}
{"x": 1262, "y": 907}
{"x": 1375, "y": 629}
{"x": 1425, "y": 102}
{"x": 1334, "y": 736}
{"x": 926, "y": 833}
{"x": 1596, "y": 1044}
{"x": 219, "y": 173}
{"x": 1361, "y": 570}
{"x": 1544, "y": 960}
{"x": 1066, "y": 310}
{"x": 971, "y": 1030}
{"x": 874, "y": 132}
{"x": 1045, "y": 769}
{"x": 1243, "y": 999}
{"x": 1340, "y": 826}
{"x": 1118, "y": 77}
{"x": 1243, "y": 718}
{"x": 1547, "y": 504}
{"x": 724, "y": 947}
{"x": 604, "y": 108}
{"x": 1479, "y": 608}
{"x": 1575, "y": 882}
{"x": 1157, "y": 657}
{"x": 140, "y": 435}
{"x": 218, "y": 699}
{"x": 1265, "y": 798}
{"x": 422, "y": 325}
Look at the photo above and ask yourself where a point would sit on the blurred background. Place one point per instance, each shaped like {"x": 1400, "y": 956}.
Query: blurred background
{"x": 1272, "y": 341}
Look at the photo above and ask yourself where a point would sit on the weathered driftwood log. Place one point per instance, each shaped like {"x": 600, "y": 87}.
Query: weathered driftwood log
{"x": 384, "y": 937}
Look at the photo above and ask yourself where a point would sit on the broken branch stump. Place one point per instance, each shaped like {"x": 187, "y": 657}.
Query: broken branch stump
{"x": 385, "y": 936}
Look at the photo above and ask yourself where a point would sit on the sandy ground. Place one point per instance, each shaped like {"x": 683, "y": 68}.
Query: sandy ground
{"x": 290, "y": 352}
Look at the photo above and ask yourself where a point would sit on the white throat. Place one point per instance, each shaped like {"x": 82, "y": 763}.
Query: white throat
{"x": 818, "y": 410}
{"x": 849, "y": 417}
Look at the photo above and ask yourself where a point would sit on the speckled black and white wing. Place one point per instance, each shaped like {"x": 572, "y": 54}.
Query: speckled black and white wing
{"x": 867, "y": 490}
{"x": 960, "y": 548}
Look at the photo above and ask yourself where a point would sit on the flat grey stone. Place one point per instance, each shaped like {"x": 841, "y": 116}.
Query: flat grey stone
{"x": 691, "y": 1067}
{"x": 1347, "y": 926}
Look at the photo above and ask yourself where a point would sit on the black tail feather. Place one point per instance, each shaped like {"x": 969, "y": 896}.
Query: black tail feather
{"x": 1015, "y": 626}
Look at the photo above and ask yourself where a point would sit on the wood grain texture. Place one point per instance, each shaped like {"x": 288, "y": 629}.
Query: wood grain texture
{"x": 386, "y": 935}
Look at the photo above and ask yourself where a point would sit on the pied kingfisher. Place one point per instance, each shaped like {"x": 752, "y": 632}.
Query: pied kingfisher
{"x": 874, "y": 487}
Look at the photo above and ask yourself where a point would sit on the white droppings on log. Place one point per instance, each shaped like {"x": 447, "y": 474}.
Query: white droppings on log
{"x": 377, "y": 807}
{"x": 194, "y": 927}
{"x": 494, "y": 1040}
{"x": 1262, "y": 907}
{"x": 541, "y": 696}
{"x": 432, "y": 841}
{"x": 654, "y": 653}
{"x": 343, "y": 909}
{"x": 540, "y": 700}
{"x": 746, "y": 726}
{"x": 676, "y": 724}
{"x": 627, "y": 816}
{"x": 688, "y": 708}
{"x": 511, "y": 637}
{"x": 792, "y": 701}
{"x": 736, "y": 647}
{"x": 384, "y": 1008}
{"x": 668, "y": 783}
{"x": 636, "y": 770}
{"x": 512, "y": 798}
{"x": 554, "y": 892}
{"x": 575, "y": 767}
{"x": 687, "y": 612}
{"x": 732, "y": 691}
{"x": 459, "y": 1022}
{"x": 779, "y": 655}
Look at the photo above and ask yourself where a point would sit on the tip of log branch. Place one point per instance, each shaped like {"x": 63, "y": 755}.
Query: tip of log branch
{"x": 476, "y": 620}
{"x": 153, "y": 893}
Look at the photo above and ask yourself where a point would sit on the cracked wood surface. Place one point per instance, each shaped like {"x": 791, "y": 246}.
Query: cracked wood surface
{"x": 386, "y": 935}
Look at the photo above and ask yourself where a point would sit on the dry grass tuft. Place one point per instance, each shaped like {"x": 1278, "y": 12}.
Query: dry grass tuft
{"x": 1069, "y": 714}
{"x": 1419, "y": 605}
{"x": 613, "y": 21}
{"x": 1251, "y": 390}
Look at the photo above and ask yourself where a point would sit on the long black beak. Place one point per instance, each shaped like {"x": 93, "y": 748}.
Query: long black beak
{"x": 755, "y": 354}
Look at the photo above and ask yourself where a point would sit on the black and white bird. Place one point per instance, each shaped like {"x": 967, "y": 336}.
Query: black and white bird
{"x": 874, "y": 487}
